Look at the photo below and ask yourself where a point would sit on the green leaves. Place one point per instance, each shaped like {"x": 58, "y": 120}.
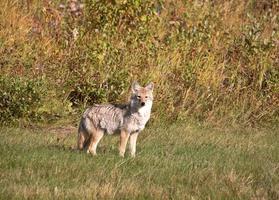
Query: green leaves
{"x": 19, "y": 97}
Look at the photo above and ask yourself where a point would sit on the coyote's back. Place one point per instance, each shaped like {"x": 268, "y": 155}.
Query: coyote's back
{"x": 128, "y": 120}
{"x": 107, "y": 117}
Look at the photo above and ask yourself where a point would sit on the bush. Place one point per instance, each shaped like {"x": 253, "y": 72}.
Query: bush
{"x": 210, "y": 61}
{"x": 19, "y": 98}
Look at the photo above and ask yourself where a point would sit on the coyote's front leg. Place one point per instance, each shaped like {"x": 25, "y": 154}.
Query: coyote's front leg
{"x": 124, "y": 136}
{"x": 133, "y": 143}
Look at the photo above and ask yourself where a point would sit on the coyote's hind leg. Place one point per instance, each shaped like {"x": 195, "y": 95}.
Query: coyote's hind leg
{"x": 82, "y": 139}
{"x": 95, "y": 138}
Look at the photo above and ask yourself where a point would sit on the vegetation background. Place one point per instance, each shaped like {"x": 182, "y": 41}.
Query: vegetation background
{"x": 211, "y": 61}
{"x": 213, "y": 133}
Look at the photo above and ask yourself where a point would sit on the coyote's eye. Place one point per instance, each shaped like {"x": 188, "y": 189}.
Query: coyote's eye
{"x": 146, "y": 97}
{"x": 138, "y": 97}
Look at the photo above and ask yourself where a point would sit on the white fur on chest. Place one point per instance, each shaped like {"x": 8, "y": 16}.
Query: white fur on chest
{"x": 144, "y": 114}
{"x": 145, "y": 111}
{"x": 140, "y": 118}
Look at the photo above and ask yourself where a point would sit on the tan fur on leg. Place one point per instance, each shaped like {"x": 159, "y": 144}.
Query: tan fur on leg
{"x": 133, "y": 143}
{"x": 94, "y": 140}
{"x": 82, "y": 140}
{"x": 124, "y": 136}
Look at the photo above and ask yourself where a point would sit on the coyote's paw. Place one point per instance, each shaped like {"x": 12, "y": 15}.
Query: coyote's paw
{"x": 91, "y": 152}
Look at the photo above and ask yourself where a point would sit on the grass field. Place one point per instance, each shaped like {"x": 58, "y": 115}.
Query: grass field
{"x": 213, "y": 63}
{"x": 175, "y": 162}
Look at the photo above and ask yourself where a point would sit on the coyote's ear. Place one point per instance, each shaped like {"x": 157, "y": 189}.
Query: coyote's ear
{"x": 150, "y": 86}
{"x": 135, "y": 87}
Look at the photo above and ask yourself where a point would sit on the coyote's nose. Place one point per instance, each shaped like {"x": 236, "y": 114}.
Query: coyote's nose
{"x": 142, "y": 103}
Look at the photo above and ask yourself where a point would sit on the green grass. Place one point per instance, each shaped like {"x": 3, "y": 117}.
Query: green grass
{"x": 175, "y": 162}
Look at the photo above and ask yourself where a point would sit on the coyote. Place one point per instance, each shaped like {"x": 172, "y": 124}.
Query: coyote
{"x": 128, "y": 120}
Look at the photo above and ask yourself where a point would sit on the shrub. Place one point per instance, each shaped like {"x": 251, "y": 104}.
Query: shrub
{"x": 19, "y": 98}
{"x": 211, "y": 61}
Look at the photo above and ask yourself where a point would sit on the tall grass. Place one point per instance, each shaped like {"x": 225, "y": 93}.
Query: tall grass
{"x": 212, "y": 62}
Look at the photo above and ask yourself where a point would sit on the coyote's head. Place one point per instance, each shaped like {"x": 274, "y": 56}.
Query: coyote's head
{"x": 142, "y": 96}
